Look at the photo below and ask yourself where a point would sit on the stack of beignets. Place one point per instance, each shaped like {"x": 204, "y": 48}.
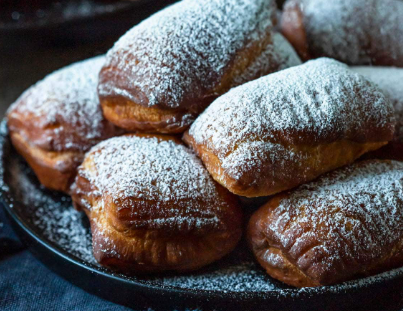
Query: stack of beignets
{"x": 162, "y": 73}
{"x": 287, "y": 128}
{"x": 390, "y": 81}
{"x": 158, "y": 78}
{"x": 57, "y": 120}
{"x": 347, "y": 224}
{"x": 359, "y": 32}
{"x": 153, "y": 206}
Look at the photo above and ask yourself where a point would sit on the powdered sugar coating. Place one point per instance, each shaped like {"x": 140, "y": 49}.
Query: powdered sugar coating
{"x": 182, "y": 193}
{"x": 149, "y": 169}
{"x": 355, "y": 32}
{"x": 183, "y": 51}
{"x": 64, "y": 108}
{"x": 390, "y": 80}
{"x": 318, "y": 102}
{"x": 348, "y": 218}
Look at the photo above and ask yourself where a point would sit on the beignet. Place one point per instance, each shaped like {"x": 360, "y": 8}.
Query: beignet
{"x": 359, "y": 32}
{"x": 345, "y": 225}
{"x": 57, "y": 120}
{"x": 153, "y": 206}
{"x": 390, "y": 81}
{"x": 165, "y": 71}
{"x": 287, "y": 128}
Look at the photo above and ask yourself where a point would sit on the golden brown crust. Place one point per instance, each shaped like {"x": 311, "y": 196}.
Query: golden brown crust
{"x": 268, "y": 254}
{"x": 287, "y": 128}
{"x": 335, "y": 229}
{"x": 158, "y": 82}
{"x": 137, "y": 228}
{"x": 62, "y": 111}
{"x": 315, "y": 161}
{"x": 62, "y": 136}
{"x": 134, "y": 117}
{"x": 55, "y": 170}
{"x": 150, "y": 251}
{"x": 57, "y": 120}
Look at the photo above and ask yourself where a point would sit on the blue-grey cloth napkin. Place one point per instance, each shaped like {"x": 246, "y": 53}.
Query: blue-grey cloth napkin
{"x": 25, "y": 284}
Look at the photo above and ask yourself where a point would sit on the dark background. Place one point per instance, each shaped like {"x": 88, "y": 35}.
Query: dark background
{"x": 27, "y": 55}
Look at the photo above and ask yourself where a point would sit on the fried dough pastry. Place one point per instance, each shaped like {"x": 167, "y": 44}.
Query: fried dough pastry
{"x": 287, "y": 128}
{"x": 390, "y": 81}
{"x": 165, "y": 71}
{"x": 57, "y": 120}
{"x": 359, "y": 32}
{"x": 345, "y": 225}
{"x": 153, "y": 206}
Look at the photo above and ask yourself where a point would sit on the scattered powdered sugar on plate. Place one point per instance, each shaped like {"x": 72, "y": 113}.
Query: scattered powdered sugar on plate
{"x": 64, "y": 227}
{"x": 184, "y": 50}
{"x": 51, "y": 214}
{"x": 236, "y": 278}
{"x": 66, "y": 104}
{"x": 390, "y": 81}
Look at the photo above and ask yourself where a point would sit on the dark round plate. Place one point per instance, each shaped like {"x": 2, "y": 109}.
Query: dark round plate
{"x": 60, "y": 237}
{"x": 26, "y": 15}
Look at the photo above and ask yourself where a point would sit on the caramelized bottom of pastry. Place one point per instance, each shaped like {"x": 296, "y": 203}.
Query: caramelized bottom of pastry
{"x": 133, "y": 117}
{"x": 55, "y": 170}
{"x": 333, "y": 229}
{"x": 317, "y": 160}
{"x": 272, "y": 258}
{"x": 151, "y": 251}
{"x": 280, "y": 268}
